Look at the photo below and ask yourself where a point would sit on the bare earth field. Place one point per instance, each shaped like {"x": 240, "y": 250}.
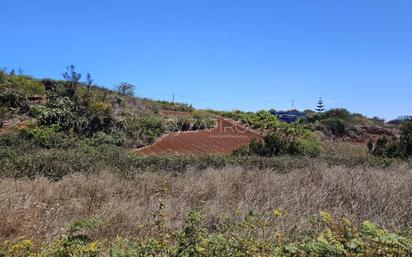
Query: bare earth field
{"x": 41, "y": 209}
{"x": 226, "y": 137}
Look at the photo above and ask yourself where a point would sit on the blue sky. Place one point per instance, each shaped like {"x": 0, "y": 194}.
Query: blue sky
{"x": 224, "y": 54}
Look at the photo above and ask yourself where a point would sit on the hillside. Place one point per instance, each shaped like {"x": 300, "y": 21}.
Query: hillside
{"x": 88, "y": 109}
{"x": 44, "y": 106}
{"x": 87, "y": 171}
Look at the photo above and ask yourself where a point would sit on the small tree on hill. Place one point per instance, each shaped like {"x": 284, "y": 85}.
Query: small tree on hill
{"x": 126, "y": 89}
{"x": 88, "y": 84}
{"x": 320, "y": 107}
{"x": 72, "y": 79}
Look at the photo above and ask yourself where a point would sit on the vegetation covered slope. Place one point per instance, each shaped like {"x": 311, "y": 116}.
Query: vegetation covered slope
{"x": 70, "y": 186}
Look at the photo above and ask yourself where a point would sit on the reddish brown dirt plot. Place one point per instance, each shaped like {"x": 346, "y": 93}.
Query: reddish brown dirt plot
{"x": 223, "y": 139}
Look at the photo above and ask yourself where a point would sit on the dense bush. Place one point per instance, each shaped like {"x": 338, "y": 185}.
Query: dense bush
{"x": 337, "y": 113}
{"x": 385, "y": 148}
{"x": 64, "y": 112}
{"x": 91, "y": 121}
{"x": 45, "y": 151}
{"x": 116, "y": 138}
{"x": 334, "y": 126}
{"x": 45, "y": 136}
{"x": 401, "y": 148}
{"x": 14, "y": 100}
{"x": 61, "y": 115}
{"x": 276, "y": 144}
{"x": 406, "y": 137}
{"x": 259, "y": 120}
{"x": 144, "y": 130}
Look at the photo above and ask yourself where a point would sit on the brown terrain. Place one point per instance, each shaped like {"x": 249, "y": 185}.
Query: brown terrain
{"x": 8, "y": 126}
{"x": 40, "y": 208}
{"x": 223, "y": 139}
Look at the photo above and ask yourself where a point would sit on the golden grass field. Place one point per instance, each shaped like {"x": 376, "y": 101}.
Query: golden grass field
{"x": 41, "y": 209}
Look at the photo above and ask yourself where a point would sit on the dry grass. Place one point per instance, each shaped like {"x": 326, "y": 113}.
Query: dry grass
{"x": 41, "y": 208}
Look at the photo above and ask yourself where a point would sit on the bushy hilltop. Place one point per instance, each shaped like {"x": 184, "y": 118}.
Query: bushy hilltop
{"x": 61, "y": 114}
{"x": 85, "y": 109}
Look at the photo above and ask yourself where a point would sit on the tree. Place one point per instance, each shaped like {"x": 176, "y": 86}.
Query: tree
{"x": 88, "y": 95}
{"x": 89, "y": 81}
{"x": 72, "y": 79}
{"x": 126, "y": 89}
{"x": 320, "y": 107}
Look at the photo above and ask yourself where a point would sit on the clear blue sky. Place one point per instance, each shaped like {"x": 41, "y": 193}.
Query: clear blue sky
{"x": 224, "y": 54}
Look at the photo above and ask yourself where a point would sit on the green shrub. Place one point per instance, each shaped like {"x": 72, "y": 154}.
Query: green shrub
{"x": 86, "y": 120}
{"x": 406, "y": 138}
{"x": 14, "y": 100}
{"x": 259, "y": 120}
{"x": 45, "y": 136}
{"x": 334, "y": 126}
{"x": 144, "y": 130}
{"x": 276, "y": 144}
{"x": 339, "y": 113}
{"x": 394, "y": 148}
{"x": 37, "y": 110}
{"x": 273, "y": 145}
{"x": 115, "y": 138}
{"x": 386, "y": 148}
{"x": 309, "y": 146}
{"x": 90, "y": 122}
{"x": 63, "y": 117}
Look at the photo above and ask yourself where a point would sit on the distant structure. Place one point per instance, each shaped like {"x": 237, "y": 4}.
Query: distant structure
{"x": 289, "y": 116}
{"x": 320, "y": 107}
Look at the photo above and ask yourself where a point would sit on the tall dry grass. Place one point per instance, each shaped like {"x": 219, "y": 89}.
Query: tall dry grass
{"x": 41, "y": 208}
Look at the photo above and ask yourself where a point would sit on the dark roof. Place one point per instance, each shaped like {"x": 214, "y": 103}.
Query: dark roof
{"x": 289, "y": 116}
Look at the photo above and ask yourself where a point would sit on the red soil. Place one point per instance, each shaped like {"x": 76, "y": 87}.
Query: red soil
{"x": 223, "y": 139}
